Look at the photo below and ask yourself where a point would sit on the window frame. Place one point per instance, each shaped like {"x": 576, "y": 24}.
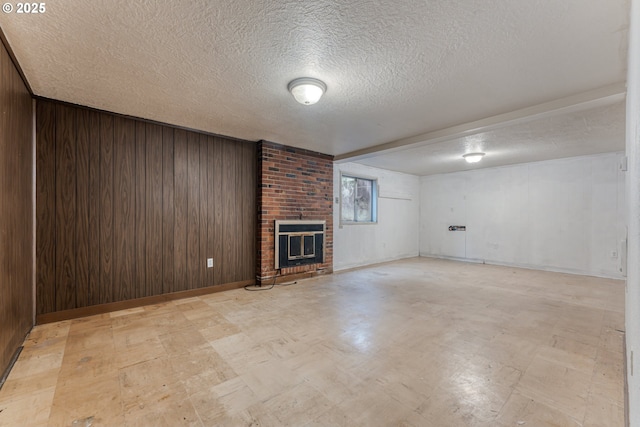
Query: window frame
{"x": 374, "y": 199}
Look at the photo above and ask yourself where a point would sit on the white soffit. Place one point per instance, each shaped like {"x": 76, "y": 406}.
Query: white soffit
{"x": 393, "y": 69}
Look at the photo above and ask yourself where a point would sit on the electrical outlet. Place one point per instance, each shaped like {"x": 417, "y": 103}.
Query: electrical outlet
{"x": 614, "y": 254}
{"x": 209, "y": 262}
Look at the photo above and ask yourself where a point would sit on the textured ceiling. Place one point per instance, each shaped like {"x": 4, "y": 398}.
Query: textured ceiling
{"x": 596, "y": 130}
{"x": 393, "y": 69}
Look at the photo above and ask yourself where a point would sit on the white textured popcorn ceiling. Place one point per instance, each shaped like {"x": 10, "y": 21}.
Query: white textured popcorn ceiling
{"x": 597, "y": 130}
{"x": 393, "y": 70}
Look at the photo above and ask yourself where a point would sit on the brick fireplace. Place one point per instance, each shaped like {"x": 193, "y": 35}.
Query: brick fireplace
{"x": 293, "y": 184}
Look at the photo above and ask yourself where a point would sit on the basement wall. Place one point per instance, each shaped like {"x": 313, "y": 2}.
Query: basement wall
{"x": 16, "y": 210}
{"x": 394, "y": 236}
{"x": 128, "y": 209}
{"x": 632, "y": 300}
{"x": 562, "y": 215}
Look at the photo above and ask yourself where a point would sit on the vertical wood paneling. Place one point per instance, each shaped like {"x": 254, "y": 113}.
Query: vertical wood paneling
{"x": 45, "y": 208}
{"x": 228, "y": 222}
{"x": 216, "y": 205}
{"x": 105, "y": 291}
{"x": 180, "y": 155}
{"x": 66, "y": 164}
{"x": 206, "y": 276}
{"x": 154, "y": 228}
{"x": 128, "y": 209}
{"x": 82, "y": 222}
{"x": 195, "y": 263}
{"x": 236, "y": 206}
{"x": 243, "y": 168}
{"x": 16, "y": 210}
{"x": 210, "y": 273}
{"x": 124, "y": 210}
{"x": 253, "y": 249}
{"x": 249, "y": 210}
{"x": 140, "y": 216}
{"x": 94, "y": 208}
{"x": 168, "y": 213}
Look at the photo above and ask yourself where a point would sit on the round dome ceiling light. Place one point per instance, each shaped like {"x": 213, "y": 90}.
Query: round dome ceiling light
{"x": 307, "y": 91}
{"x": 473, "y": 157}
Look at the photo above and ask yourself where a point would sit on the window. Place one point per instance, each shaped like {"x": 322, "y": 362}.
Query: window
{"x": 359, "y": 199}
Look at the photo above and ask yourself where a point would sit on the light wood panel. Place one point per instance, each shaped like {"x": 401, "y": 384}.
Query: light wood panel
{"x": 16, "y": 210}
{"x": 418, "y": 342}
{"x": 129, "y": 209}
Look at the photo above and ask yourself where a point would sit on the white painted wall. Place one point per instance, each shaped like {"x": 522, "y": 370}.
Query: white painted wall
{"x": 561, "y": 215}
{"x": 394, "y": 236}
{"x": 632, "y": 300}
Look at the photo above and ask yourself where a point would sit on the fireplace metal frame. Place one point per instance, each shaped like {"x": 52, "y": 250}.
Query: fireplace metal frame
{"x": 301, "y": 259}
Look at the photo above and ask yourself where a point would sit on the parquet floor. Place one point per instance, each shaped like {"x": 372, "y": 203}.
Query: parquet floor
{"x": 418, "y": 342}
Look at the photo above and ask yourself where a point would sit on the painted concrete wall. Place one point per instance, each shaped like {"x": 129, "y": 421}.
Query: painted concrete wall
{"x": 561, "y": 215}
{"x": 394, "y": 236}
{"x": 632, "y": 300}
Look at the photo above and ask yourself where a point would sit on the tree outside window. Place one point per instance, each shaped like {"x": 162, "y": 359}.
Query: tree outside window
{"x": 358, "y": 199}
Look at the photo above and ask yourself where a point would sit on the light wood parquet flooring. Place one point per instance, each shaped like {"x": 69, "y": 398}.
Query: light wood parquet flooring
{"x": 418, "y": 342}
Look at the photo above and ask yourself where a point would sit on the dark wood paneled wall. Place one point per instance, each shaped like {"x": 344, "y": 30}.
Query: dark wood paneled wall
{"x": 16, "y": 210}
{"x": 130, "y": 209}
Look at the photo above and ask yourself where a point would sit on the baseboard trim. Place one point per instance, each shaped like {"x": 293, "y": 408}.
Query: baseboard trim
{"x": 353, "y": 267}
{"x": 525, "y": 266}
{"x": 133, "y": 303}
{"x": 13, "y": 361}
{"x": 373, "y": 265}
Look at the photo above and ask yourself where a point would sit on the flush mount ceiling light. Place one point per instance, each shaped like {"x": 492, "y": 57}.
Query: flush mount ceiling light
{"x": 473, "y": 157}
{"x": 307, "y": 91}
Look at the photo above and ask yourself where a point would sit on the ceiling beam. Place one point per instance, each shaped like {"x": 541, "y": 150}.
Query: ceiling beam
{"x": 605, "y": 95}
